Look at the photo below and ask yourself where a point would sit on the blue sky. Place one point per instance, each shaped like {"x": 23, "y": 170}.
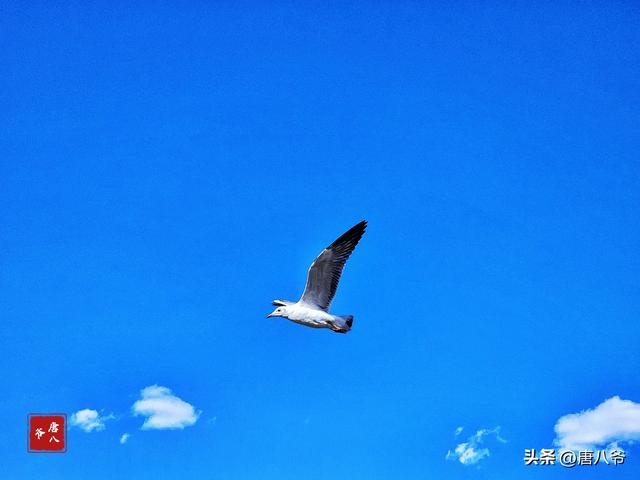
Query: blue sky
{"x": 168, "y": 170}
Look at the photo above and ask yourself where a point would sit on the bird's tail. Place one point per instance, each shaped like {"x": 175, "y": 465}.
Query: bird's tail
{"x": 342, "y": 324}
{"x": 348, "y": 319}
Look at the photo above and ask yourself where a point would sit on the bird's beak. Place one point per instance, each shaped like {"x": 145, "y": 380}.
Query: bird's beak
{"x": 270, "y": 315}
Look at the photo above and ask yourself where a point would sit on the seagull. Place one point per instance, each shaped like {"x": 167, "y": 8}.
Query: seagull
{"x": 324, "y": 273}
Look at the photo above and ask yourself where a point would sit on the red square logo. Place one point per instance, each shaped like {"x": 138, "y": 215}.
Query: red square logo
{"x": 47, "y": 433}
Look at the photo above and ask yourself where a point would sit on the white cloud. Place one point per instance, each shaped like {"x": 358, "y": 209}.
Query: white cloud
{"x": 124, "y": 438}
{"x": 473, "y": 450}
{"x": 614, "y": 420}
{"x": 163, "y": 409}
{"x": 90, "y": 420}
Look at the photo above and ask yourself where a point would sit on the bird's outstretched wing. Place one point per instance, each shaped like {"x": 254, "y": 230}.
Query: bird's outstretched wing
{"x": 324, "y": 273}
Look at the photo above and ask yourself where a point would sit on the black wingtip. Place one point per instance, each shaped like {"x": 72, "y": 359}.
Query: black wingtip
{"x": 351, "y": 236}
{"x": 359, "y": 227}
{"x": 356, "y": 231}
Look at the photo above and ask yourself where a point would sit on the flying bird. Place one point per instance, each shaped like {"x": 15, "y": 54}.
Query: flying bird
{"x": 324, "y": 274}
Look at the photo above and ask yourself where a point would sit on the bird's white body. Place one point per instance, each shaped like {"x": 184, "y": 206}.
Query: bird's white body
{"x": 312, "y": 317}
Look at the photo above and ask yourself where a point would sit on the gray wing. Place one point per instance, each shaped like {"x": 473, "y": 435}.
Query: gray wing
{"x": 324, "y": 273}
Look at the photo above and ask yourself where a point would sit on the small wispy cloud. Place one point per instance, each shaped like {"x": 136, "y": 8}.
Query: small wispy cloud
{"x": 612, "y": 422}
{"x": 90, "y": 420}
{"x": 474, "y": 449}
{"x": 123, "y": 438}
{"x": 163, "y": 409}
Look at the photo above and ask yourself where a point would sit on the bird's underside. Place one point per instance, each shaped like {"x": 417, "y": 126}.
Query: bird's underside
{"x": 323, "y": 277}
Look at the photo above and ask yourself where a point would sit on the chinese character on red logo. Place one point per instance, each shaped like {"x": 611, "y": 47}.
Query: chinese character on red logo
{"x": 47, "y": 433}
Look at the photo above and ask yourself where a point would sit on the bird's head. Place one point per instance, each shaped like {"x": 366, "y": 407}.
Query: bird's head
{"x": 279, "y": 312}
